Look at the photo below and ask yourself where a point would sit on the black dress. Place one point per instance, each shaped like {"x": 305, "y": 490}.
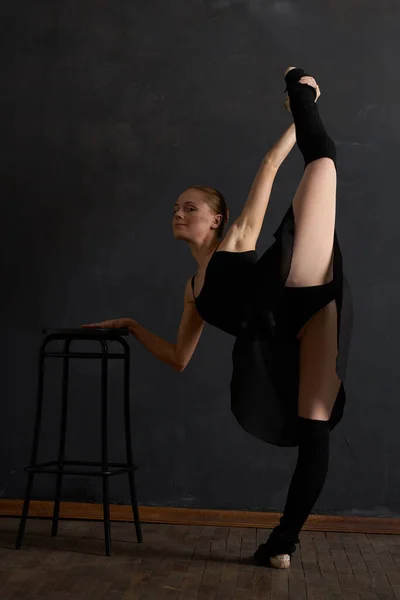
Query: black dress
{"x": 246, "y": 296}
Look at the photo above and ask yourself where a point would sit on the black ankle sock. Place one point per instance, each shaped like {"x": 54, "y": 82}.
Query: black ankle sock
{"x": 306, "y": 485}
{"x": 312, "y": 138}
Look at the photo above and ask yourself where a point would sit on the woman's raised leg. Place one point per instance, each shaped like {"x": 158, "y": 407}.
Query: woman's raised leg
{"x": 314, "y": 204}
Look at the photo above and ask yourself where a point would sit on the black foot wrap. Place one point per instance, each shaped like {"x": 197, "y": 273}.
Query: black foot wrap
{"x": 312, "y": 138}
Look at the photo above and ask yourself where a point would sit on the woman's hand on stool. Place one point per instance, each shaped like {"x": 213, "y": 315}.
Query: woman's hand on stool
{"x": 123, "y": 323}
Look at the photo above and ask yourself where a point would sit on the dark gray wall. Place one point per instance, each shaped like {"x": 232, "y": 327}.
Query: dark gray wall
{"x": 110, "y": 109}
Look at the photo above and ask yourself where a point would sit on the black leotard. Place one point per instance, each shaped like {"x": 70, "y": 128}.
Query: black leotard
{"x": 246, "y": 296}
{"x": 226, "y": 296}
{"x": 226, "y": 291}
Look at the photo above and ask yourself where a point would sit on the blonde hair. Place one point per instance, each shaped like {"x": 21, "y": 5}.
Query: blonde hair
{"x": 216, "y": 202}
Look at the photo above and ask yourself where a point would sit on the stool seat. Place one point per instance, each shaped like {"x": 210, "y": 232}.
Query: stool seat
{"x": 89, "y": 332}
{"x": 61, "y": 466}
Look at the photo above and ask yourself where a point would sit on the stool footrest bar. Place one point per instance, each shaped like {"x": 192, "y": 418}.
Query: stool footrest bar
{"x": 61, "y": 470}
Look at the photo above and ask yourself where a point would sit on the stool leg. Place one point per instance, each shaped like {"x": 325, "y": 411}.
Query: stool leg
{"x": 128, "y": 440}
{"x": 104, "y": 449}
{"x": 35, "y": 446}
{"x": 63, "y": 434}
{"x": 135, "y": 509}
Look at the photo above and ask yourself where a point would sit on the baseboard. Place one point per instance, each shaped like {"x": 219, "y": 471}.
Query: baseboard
{"x": 195, "y": 516}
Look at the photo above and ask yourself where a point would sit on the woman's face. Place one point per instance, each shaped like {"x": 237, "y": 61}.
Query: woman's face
{"x": 194, "y": 221}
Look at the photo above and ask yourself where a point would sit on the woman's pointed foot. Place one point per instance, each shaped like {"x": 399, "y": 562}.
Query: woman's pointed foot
{"x": 294, "y": 76}
{"x": 289, "y": 69}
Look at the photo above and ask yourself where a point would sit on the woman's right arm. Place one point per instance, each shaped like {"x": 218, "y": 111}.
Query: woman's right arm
{"x": 179, "y": 354}
{"x": 175, "y": 355}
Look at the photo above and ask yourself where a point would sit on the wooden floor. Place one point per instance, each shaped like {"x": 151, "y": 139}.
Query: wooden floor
{"x": 190, "y": 562}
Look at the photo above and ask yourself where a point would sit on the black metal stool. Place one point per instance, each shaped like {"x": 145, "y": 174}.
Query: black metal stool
{"x": 106, "y": 469}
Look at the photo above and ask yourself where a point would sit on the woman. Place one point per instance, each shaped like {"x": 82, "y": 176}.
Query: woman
{"x": 290, "y": 310}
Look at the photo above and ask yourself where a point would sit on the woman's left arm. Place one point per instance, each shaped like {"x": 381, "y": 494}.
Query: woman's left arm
{"x": 243, "y": 233}
{"x": 253, "y": 213}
